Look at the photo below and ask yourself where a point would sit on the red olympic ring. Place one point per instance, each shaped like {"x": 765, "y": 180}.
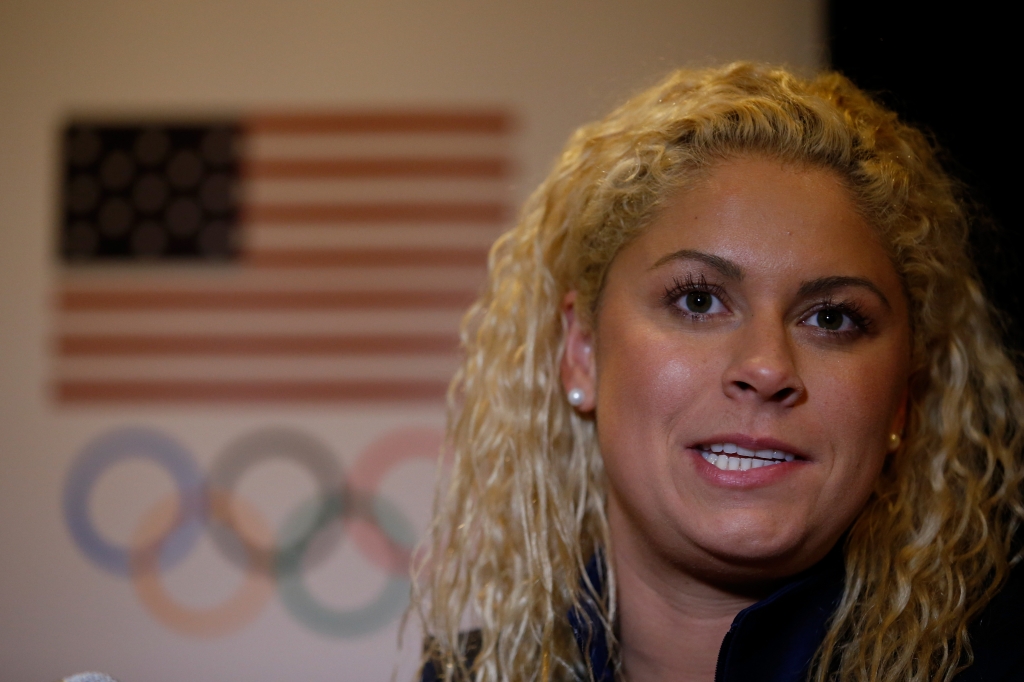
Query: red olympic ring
{"x": 366, "y": 476}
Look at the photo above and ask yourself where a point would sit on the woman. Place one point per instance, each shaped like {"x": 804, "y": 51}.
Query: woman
{"x": 733, "y": 408}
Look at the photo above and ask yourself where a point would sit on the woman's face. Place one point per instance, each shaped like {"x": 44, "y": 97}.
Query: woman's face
{"x": 748, "y": 363}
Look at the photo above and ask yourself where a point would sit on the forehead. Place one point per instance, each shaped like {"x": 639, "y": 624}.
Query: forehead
{"x": 769, "y": 218}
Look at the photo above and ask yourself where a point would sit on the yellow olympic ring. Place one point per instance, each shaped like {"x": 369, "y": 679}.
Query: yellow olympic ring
{"x": 237, "y": 610}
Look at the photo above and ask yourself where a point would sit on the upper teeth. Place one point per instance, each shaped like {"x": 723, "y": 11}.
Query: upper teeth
{"x": 718, "y": 454}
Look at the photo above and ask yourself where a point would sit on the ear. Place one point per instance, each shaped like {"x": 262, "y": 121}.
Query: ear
{"x": 578, "y": 366}
{"x": 899, "y": 420}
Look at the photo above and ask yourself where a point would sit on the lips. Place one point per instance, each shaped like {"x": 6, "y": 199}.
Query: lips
{"x": 731, "y": 456}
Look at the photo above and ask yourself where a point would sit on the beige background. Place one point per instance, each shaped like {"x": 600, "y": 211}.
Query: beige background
{"x": 555, "y": 64}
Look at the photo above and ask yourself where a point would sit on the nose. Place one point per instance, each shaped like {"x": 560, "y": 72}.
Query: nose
{"x": 763, "y": 367}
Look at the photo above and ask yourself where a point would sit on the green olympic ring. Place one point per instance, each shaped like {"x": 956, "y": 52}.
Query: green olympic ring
{"x": 299, "y": 601}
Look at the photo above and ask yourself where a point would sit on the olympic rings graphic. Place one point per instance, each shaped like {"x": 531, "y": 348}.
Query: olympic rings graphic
{"x": 344, "y": 506}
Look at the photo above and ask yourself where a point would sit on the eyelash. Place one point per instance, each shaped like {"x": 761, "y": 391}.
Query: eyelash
{"x": 682, "y": 287}
{"x": 848, "y": 308}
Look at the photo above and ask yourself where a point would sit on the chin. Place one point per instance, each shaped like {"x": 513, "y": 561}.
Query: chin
{"x": 753, "y": 551}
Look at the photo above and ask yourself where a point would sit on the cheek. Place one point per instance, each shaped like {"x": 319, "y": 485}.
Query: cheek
{"x": 856, "y": 403}
{"x": 872, "y": 394}
{"x": 648, "y": 373}
{"x": 647, "y": 390}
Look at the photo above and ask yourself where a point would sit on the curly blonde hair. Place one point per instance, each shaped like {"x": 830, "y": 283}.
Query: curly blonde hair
{"x": 523, "y": 509}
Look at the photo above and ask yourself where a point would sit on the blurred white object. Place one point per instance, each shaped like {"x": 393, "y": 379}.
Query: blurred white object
{"x": 89, "y": 677}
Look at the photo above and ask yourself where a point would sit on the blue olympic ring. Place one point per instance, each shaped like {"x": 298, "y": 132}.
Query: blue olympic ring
{"x": 295, "y": 548}
{"x": 118, "y": 446}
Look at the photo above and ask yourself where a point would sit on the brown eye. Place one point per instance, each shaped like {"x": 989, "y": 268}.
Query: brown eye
{"x": 698, "y": 301}
{"x": 831, "y": 320}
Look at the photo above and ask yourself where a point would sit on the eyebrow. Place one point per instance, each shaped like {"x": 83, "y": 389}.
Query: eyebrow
{"x": 723, "y": 265}
{"x": 824, "y": 285}
{"x": 815, "y": 287}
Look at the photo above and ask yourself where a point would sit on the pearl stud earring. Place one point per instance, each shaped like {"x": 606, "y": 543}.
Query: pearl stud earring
{"x": 894, "y": 442}
{"x": 575, "y": 396}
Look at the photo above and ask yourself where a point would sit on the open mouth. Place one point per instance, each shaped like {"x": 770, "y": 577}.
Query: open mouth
{"x": 731, "y": 457}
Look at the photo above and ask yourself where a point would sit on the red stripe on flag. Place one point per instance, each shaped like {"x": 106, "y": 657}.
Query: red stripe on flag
{"x": 381, "y": 390}
{"x": 375, "y": 168}
{"x": 485, "y": 123}
{"x": 263, "y": 300}
{"x": 376, "y": 213}
{"x": 134, "y": 345}
{"x": 341, "y": 258}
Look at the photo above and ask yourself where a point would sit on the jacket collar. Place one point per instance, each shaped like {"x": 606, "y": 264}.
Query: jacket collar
{"x": 773, "y": 640}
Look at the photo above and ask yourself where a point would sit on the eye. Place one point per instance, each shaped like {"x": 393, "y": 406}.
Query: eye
{"x": 701, "y": 303}
{"x": 833, "y": 320}
{"x": 695, "y": 298}
{"x": 698, "y": 301}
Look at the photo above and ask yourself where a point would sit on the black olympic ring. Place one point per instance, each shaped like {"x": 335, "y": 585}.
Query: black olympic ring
{"x": 307, "y": 452}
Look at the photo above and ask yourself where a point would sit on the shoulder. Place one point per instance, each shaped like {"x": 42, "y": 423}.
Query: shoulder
{"x": 997, "y": 637}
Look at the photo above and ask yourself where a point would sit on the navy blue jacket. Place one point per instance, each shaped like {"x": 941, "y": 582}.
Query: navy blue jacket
{"x": 775, "y": 639}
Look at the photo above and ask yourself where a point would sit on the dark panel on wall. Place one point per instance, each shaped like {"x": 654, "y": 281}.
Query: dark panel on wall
{"x": 950, "y": 69}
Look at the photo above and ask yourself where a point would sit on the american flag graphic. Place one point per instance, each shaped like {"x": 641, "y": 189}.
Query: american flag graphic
{"x": 279, "y": 257}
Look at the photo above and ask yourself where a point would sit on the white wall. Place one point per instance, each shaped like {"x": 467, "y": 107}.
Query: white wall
{"x": 556, "y": 64}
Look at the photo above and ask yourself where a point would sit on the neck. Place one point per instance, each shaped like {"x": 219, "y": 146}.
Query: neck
{"x": 671, "y": 625}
